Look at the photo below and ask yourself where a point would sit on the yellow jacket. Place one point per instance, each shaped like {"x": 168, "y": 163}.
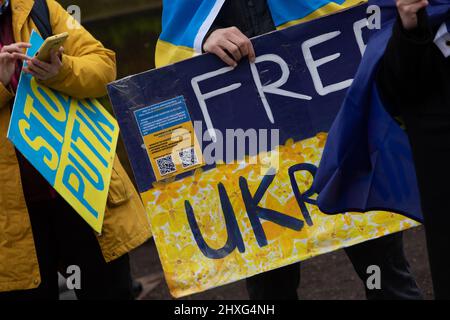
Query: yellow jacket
{"x": 87, "y": 68}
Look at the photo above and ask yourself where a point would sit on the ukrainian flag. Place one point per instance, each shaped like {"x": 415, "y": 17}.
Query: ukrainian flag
{"x": 185, "y": 23}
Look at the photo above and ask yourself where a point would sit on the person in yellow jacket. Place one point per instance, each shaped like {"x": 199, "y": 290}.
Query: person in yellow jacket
{"x": 39, "y": 232}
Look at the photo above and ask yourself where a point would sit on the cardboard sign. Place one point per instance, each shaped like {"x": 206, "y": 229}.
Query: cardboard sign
{"x": 71, "y": 142}
{"x": 262, "y": 129}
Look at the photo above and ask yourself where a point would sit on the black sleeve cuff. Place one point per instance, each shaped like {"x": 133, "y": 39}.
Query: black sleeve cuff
{"x": 421, "y": 35}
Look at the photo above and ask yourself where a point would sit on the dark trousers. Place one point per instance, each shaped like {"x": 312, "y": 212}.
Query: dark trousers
{"x": 437, "y": 222}
{"x": 397, "y": 282}
{"x": 63, "y": 239}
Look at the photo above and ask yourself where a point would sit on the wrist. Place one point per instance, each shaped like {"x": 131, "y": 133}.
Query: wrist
{"x": 211, "y": 31}
{"x": 409, "y": 21}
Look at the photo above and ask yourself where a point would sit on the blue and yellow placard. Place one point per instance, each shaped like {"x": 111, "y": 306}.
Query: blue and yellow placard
{"x": 71, "y": 142}
{"x": 245, "y": 213}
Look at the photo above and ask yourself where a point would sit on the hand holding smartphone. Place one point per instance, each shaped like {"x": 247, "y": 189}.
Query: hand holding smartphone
{"x": 50, "y": 44}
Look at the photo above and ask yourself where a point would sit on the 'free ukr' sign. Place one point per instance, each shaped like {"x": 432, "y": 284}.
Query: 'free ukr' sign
{"x": 232, "y": 210}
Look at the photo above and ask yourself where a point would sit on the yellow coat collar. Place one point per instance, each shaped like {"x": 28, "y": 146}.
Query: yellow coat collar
{"x": 21, "y": 10}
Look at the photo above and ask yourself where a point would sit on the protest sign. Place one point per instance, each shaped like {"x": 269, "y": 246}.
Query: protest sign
{"x": 261, "y": 128}
{"x": 71, "y": 142}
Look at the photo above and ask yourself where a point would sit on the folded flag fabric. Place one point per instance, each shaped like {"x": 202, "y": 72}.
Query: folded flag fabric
{"x": 367, "y": 162}
{"x": 443, "y": 38}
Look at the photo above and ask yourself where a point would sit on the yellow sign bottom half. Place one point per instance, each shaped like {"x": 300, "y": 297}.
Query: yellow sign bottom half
{"x": 188, "y": 270}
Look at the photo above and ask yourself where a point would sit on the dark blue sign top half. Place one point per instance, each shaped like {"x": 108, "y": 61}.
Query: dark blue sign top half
{"x": 243, "y": 107}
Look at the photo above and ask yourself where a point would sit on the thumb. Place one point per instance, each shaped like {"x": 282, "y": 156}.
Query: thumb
{"x": 55, "y": 56}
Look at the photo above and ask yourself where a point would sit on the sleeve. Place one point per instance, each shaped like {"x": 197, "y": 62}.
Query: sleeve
{"x": 87, "y": 66}
{"x": 404, "y": 67}
{"x": 217, "y": 24}
{"x": 5, "y": 96}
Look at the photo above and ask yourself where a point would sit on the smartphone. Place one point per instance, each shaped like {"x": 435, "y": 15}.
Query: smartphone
{"x": 50, "y": 44}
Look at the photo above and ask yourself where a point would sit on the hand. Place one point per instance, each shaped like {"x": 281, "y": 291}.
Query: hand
{"x": 408, "y": 10}
{"x": 8, "y": 58}
{"x": 230, "y": 45}
{"x": 43, "y": 70}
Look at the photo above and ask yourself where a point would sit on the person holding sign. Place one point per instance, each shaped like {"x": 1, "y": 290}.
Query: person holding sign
{"x": 226, "y": 32}
{"x": 40, "y": 233}
{"x": 414, "y": 82}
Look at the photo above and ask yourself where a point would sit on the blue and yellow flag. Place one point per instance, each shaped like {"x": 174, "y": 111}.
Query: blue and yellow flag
{"x": 186, "y": 23}
{"x": 367, "y": 163}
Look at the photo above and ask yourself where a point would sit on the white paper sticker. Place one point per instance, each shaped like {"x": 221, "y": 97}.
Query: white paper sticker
{"x": 442, "y": 40}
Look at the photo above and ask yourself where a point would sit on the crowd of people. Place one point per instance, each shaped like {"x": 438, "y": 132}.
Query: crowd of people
{"x": 41, "y": 234}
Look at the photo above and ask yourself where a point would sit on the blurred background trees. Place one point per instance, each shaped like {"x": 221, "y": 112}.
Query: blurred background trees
{"x": 130, "y": 28}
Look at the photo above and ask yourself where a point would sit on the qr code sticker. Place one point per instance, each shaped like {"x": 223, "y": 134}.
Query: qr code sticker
{"x": 188, "y": 157}
{"x": 166, "y": 165}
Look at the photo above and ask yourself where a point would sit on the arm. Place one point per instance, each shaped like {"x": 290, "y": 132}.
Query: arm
{"x": 402, "y": 71}
{"x": 86, "y": 66}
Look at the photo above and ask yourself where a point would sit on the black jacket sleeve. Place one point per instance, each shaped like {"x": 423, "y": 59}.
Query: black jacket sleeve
{"x": 404, "y": 68}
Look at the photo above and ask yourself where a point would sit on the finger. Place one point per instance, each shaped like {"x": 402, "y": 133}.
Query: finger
{"x": 42, "y": 65}
{"x": 55, "y": 58}
{"x": 21, "y": 56}
{"x": 415, "y": 8}
{"x": 232, "y": 49}
{"x": 11, "y": 49}
{"x": 252, "y": 53}
{"x": 27, "y": 70}
{"x": 245, "y": 45}
{"x": 40, "y": 73}
{"x": 16, "y": 47}
{"x": 23, "y": 45}
{"x": 236, "y": 31}
{"x": 224, "y": 56}
{"x": 240, "y": 42}
{"x": 32, "y": 73}
{"x": 425, "y": 3}
{"x": 406, "y": 2}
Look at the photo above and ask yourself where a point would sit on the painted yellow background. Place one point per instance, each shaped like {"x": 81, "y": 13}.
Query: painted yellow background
{"x": 188, "y": 271}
